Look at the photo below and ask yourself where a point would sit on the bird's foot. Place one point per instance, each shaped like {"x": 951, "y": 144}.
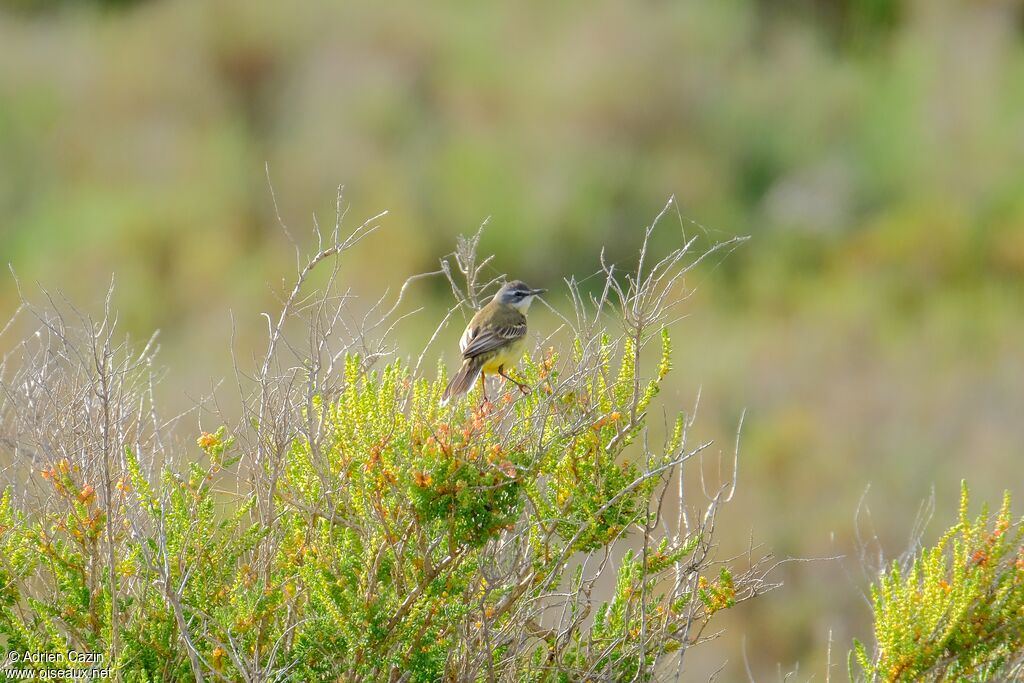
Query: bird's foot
{"x": 523, "y": 388}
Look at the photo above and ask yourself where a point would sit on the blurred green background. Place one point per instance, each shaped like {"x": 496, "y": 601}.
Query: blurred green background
{"x": 874, "y": 149}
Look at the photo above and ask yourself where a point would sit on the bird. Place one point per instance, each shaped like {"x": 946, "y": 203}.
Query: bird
{"x": 493, "y": 339}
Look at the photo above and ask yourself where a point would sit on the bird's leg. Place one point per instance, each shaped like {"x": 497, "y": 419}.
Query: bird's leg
{"x": 483, "y": 388}
{"x": 522, "y": 387}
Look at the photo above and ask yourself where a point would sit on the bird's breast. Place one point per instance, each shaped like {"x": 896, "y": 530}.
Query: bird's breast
{"x": 508, "y": 356}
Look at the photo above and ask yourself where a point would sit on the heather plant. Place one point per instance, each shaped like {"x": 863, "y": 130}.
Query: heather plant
{"x": 954, "y": 611}
{"x": 350, "y": 527}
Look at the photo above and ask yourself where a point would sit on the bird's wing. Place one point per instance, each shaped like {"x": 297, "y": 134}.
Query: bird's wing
{"x": 478, "y": 340}
{"x": 467, "y": 336}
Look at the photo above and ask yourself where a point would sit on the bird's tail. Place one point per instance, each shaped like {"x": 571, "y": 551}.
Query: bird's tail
{"x": 463, "y": 380}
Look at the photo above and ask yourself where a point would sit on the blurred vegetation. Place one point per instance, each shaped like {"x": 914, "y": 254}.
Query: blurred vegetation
{"x": 872, "y": 148}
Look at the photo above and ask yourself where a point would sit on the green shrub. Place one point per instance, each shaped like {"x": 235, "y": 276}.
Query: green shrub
{"x": 957, "y": 611}
{"x": 352, "y": 528}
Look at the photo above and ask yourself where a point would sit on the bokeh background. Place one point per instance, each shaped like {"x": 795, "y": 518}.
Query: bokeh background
{"x": 874, "y": 150}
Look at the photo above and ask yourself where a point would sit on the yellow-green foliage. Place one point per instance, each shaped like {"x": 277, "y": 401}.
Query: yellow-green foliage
{"x": 378, "y": 548}
{"x": 958, "y": 612}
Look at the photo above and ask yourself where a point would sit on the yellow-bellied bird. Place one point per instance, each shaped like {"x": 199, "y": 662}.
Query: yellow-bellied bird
{"x": 494, "y": 339}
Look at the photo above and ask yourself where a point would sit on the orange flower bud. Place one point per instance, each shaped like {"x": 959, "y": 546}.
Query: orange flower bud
{"x": 87, "y": 495}
{"x": 207, "y": 440}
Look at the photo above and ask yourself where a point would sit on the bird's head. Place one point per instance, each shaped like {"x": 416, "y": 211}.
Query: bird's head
{"x": 517, "y": 294}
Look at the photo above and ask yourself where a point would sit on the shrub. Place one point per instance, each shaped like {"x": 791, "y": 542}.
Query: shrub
{"x": 351, "y": 528}
{"x": 956, "y": 612}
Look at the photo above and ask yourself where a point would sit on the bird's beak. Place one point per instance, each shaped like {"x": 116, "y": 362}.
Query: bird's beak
{"x": 536, "y": 292}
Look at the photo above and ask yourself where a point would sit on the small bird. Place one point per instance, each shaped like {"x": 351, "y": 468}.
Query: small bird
{"x": 493, "y": 339}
